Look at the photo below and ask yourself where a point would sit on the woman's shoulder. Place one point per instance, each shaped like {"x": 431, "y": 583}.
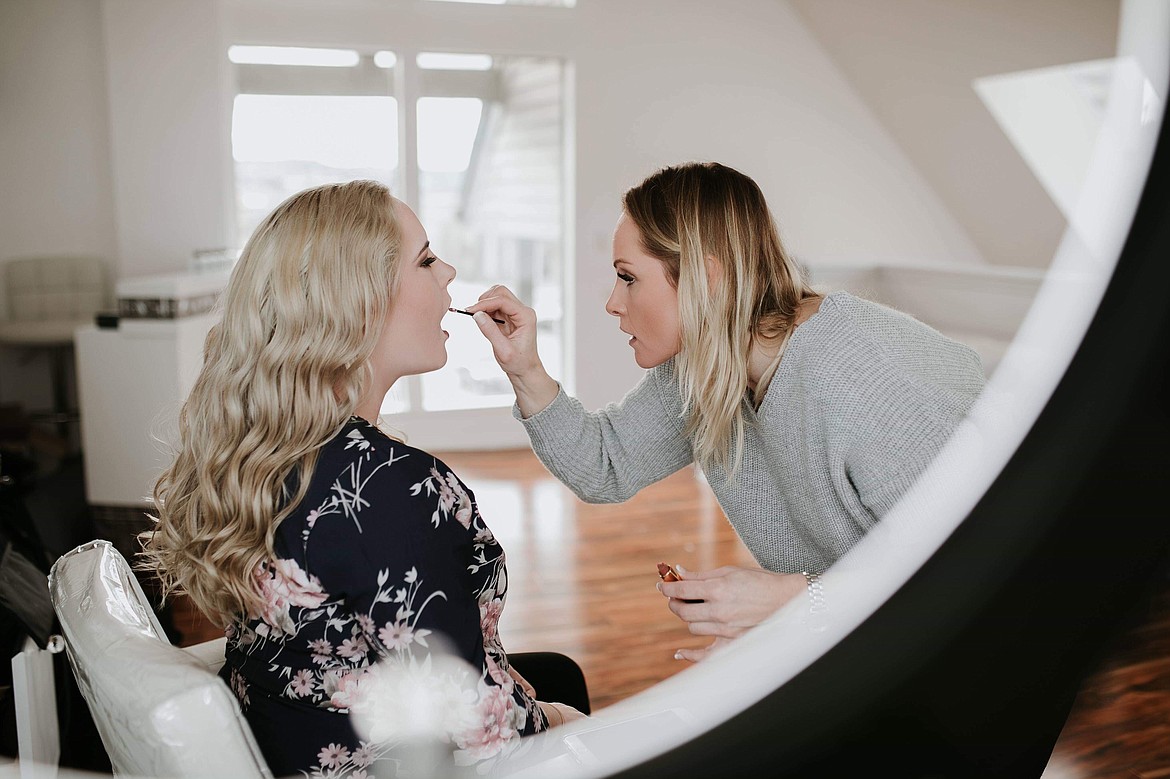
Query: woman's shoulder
{"x": 856, "y": 342}
{"x": 844, "y": 318}
{"x": 861, "y": 314}
{"x": 364, "y": 472}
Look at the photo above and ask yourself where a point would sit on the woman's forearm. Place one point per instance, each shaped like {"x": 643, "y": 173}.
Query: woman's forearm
{"x": 534, "y": 389}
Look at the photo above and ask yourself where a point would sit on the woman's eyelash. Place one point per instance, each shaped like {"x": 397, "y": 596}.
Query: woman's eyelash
{"x": 627, "y": 278}
{"x": 429, "y": 261}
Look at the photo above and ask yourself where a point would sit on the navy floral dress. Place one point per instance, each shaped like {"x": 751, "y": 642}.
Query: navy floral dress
{"x": 384, "y": 573}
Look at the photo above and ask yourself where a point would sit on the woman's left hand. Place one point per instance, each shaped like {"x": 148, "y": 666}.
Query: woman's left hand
{"x": 733, "y": 599}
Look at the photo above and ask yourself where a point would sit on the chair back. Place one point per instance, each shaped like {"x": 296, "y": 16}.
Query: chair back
{"x": 160, "y": 711}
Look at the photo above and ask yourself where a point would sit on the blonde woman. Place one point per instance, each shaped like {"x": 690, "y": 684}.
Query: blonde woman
{"x": 323, "y": 545}
{"x": 810, "y": 415}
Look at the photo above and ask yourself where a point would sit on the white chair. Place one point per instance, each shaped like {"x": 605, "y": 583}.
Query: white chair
{"x": 160, "y": 710}
{"x": 35, "y": 694}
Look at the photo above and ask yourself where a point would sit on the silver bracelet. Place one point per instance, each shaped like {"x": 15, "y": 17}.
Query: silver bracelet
{"x": 817, "y": 607}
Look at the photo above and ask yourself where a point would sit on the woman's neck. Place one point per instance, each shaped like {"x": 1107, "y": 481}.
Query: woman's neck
{"x": 370, "y": 413}
{"x": 764, "y": 351}
{"x": 369, "y": 405}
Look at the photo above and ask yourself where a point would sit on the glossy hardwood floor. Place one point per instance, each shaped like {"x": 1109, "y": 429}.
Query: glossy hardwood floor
{"x": 582, "y": 582}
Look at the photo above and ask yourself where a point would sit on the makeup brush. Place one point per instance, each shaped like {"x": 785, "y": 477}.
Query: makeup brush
{"x": 468, "y": 313}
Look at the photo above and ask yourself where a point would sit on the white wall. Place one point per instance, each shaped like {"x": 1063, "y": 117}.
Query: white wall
{"x": 55, "y": 186}
{"x": 170, "y": 131}
{"x": 913, "y": 63}
{"x": 657, "y": 82}
{"x": 54, "y": 141}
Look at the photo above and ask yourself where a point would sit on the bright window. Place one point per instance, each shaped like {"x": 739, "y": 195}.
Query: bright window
{"x": 285, "y": 143}
{"x": 486, "y": 180}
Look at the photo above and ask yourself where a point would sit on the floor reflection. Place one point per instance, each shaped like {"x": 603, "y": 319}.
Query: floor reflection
{"x": 582, "y": 577}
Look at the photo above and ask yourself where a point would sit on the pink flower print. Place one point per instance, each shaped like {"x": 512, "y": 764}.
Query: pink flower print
{"x": 489, "y": 617}
{"x": 463, "y": 512}
{"x": 363, "y": 755}
{"x": 298, "y": 587}
{"x": 359, "y": 774}
{"x": 302, "y": 683}
{"x": 496, "y": 725}
{"x": 346, "y": 691}
{"x": 366, "y": 624}
{"x": 499, "y": 675}
{"x": 333, "y": 755}
{"x": 353, "y": 649}
{"x": 322, "y": 650}
{"x": 447, "y": 496}
{"x": 280, "y": 584}
{"x": 312, "y": 518}
{"x": 240, "y": 688}
{"x": 396, "y": 635}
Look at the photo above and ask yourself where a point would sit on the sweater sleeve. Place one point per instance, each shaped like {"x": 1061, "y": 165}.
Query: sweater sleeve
{"x": 606, "y": 456}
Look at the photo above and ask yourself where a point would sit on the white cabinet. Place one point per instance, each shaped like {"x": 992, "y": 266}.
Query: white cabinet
{"x": 132, "y": 381}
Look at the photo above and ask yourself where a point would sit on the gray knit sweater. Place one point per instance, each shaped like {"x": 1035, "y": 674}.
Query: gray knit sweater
{"x": 863, "y": 399}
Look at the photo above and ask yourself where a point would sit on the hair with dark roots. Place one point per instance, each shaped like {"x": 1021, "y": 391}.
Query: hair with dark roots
{"x": 685, "y": 215}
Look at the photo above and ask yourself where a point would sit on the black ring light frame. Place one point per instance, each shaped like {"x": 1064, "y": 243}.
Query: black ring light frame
{"x": 1024, "y": 596}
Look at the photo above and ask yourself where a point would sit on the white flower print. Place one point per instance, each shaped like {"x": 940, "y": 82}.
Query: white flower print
{"x": 357, "y": 439}
{"x": 399, "y": 634}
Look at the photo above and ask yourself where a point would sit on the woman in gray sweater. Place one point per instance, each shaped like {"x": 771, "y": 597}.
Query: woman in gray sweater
{"x": 810, "y": 415}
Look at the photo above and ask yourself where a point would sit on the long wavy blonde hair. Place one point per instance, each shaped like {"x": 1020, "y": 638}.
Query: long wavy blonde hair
{"x": 687, "y": 214}
{"x": 282, "y": 372}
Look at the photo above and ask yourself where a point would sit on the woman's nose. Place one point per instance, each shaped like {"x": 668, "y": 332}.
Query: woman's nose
{"x": 452, "y": 270}
{"x": 612, "y": 306}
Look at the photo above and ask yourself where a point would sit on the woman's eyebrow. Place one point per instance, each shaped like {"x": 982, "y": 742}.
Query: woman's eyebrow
{"x": 423, "y": 251}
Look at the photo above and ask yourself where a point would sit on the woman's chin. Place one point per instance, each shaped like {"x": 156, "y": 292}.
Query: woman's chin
{"x": 648, "y": 361}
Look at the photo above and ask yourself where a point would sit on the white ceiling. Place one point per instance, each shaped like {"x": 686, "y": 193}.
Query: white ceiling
{"x": 913, "y": 62}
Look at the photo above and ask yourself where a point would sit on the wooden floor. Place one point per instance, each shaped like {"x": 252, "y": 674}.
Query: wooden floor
{"x": 581, "y": 582}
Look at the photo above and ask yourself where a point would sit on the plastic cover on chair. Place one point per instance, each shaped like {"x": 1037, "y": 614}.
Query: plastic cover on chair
{"x": 161, "y": 711}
